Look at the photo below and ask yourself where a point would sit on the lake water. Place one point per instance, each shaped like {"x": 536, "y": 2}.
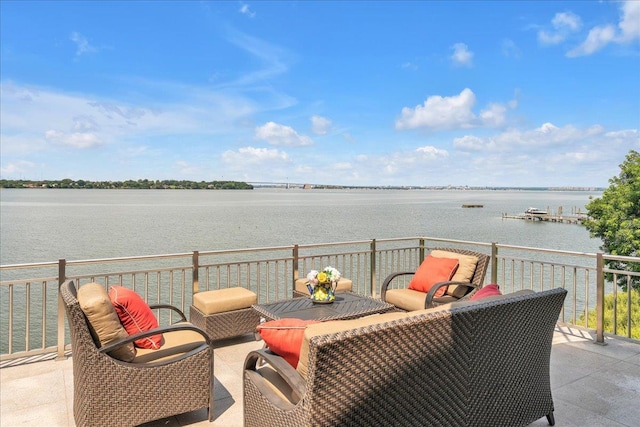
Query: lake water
{"x": 44, "y": 225}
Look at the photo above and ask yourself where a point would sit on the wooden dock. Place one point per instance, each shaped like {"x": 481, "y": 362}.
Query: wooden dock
{"x": 576, "y": 217}
{"x": 566, "y": 219}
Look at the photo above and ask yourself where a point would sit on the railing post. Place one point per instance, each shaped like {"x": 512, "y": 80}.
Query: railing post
{"x": 494, "y": 262}
{"x": 195, "y": 272}
{"x": 600, "y": 299}
{"x": 62, "y": 275}
{"x": 421, "y": 249}
{"x": 373, "y": 269}
{"x": 295, "y": 267}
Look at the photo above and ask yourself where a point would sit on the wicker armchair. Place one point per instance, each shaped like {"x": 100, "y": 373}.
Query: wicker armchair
{"x": 480, "y": 363}
{"x": 110, "y": 392}
{"x": 405, "y": 299}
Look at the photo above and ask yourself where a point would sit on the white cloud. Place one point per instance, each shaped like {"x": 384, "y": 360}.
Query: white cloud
{"x": 270, "y": 56}
{"x": 513, "y": 104}
{"x": 469, "y": 142}
{"x": 598, "y": 38}
{"x": 246, "y": 10}
{"x": 276, "y": 134}
{"x": 348, "y": 137}
{"x": 252, "y": 156}
{"x": 564, "y": 24}
{"x": 454, "y": 112}
{"x": 320, "y": 125}
{"x": 510, "y": 49}
{"x": 440, "y": 113}
{"x": 630, "y": 23}
{"x": 546, "y": 136}
{"x": 409, "y": 66}
{"x": 628, "y": 30}
{"x": 627, "y": 134}
{"x": 32, "y": 112}
{"x": 75, "y": 139}
{"x": 494, "y": 116}
{"x": 567, "y": 20}
{"x": 411, "y": 167}
{"x": 431, "y": 152}
{"x": 18, "y": 168}
{"x": 82, "y": 44}
{"x": 461, "y": 55}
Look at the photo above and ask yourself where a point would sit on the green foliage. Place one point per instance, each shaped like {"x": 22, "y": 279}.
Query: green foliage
{"x": 615, "y": 217}
{"x": 621, "y": 306}
{"x": 143, "y": 184}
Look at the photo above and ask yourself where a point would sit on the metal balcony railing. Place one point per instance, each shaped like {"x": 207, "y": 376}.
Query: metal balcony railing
{"x": 32, "y": 319}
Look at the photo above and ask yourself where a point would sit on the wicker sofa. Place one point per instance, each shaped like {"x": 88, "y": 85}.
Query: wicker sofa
{"x": 472, "y": 363}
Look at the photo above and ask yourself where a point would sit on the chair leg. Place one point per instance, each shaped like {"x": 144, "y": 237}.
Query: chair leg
{"x": 551, "y": 419}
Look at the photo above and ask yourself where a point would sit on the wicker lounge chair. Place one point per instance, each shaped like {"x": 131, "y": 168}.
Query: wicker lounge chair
{"x": 111, "y": 392}
{"x": 480, "y": 363}
{"x": 407, "y": 299}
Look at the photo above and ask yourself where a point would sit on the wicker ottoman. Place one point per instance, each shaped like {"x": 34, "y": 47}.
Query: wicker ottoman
{"x": 225, "y": 313}
{"x": 300, "y": 289}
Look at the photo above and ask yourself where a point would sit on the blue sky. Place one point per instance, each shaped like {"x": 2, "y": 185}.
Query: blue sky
{"x": 521, "y": 93}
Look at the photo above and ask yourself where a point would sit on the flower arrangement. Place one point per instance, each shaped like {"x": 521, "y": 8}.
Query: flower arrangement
{"x": 326, "y": 276}
{"x": 321, "y": 283}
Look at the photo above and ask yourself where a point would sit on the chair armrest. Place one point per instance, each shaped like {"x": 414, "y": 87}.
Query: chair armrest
{"x": 170, "y": 307}
{"x": 428, "y": 301}
{"x": 161, "y": 330}
{"x": 387, "y": 281}
{"x": 282, "y": 367}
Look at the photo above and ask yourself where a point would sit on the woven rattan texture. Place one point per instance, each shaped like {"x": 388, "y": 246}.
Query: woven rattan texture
{"x": 297, "y": 294}
{"x": 225, "y": 325}
{"x": 481, "y": 267}
{"x": 485, "y": 364}
{"x": 108, "y": 392}
{"x": 347, "y": 305}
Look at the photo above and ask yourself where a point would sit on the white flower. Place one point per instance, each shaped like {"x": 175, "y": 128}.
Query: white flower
{"x": 330, "y": 275}
{"x": 312, "y": 277}
{"x": 334, "y": 274}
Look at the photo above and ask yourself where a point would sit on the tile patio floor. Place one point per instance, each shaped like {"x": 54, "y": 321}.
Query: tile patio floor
{"x": 592, "y": 385}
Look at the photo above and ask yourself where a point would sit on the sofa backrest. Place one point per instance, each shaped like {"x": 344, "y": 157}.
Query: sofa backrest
{"x": 472, "y": 364}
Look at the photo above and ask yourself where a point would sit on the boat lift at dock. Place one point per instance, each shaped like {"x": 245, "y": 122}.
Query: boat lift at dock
{"x": 533, "y": 214}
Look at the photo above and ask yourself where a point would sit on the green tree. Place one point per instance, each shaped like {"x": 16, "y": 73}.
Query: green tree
{"x": 615, "y": 218}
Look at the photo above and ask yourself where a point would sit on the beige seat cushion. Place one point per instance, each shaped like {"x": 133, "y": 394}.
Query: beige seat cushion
{"x": 104, "y": 323}
{"x": 174, "y": 345}
{"x": 344, "y": 285}
{"x": 223, "y": 300}
{"x": 466, "y": 268}
{"x": 410, "y": 300}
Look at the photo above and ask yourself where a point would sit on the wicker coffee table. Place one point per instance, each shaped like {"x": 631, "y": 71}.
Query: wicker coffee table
{"x": 347, "y": 305}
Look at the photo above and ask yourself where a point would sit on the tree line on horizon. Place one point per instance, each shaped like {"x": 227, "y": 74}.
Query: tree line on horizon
{"x": 140, "y": 184}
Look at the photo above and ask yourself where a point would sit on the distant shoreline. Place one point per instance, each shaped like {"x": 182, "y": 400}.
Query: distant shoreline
{"x": 239, "y": 185}
{"x": 141, "y": 184}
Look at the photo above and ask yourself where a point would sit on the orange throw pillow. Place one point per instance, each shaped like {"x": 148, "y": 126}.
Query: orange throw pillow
{"x": 135, "y": 315}
{"x": 433, "y": 270}
{"x": 284, "y": 337}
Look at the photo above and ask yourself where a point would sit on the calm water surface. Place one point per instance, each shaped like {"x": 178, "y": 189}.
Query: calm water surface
{"x": 45, "y": 225}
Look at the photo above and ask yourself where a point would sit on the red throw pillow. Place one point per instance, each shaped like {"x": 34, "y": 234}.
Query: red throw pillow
{"x": 284, "y": 337}
{"x": 135, "y": 315}
{"x": 486, "y": 291}
{"x": 433, "y": 270}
